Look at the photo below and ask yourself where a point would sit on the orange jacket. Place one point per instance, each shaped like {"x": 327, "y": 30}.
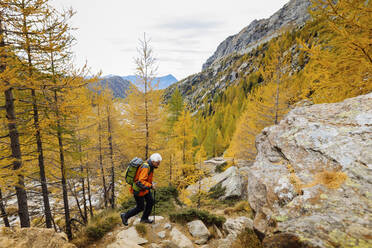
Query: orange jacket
{"x": 143, "y": 179}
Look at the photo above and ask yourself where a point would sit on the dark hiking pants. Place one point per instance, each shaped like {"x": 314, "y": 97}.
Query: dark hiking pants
{"x": 140, "y": 200}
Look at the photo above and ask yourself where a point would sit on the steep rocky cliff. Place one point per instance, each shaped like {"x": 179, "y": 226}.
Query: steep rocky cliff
{"x": 293, "y": 14}
{"x": 241, "y": 55}
{"x": 311, "y": 182}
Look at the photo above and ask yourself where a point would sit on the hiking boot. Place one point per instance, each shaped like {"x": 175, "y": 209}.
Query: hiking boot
{"x": 124, "y": 219}
{"x": 147, "y": 221}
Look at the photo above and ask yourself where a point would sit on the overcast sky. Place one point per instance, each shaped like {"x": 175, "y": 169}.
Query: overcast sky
{"x": 184, "y": 33}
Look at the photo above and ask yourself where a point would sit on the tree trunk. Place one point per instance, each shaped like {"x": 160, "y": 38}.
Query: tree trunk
{"x": 83, "y": 189}
{"x": 3, "y": 212}
{"x": 75, "y": 195}
{"x": 17, "y": 163}
{"x": 14, "y": 144}
{"x": 147, "y": 121}
{"x": 111, "y": 158}
{"x": 82, "y": 181}
{"x": 89, "y": 195}
{"x": 63, "y": 171}
{"x": 101, "y": 160}
{"x": 44, "y": 187}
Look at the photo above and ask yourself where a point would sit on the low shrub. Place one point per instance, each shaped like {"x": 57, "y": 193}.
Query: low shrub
{"x": 191, "y": 214}
{"x": 220, "y": 168}
{"x": 241, "y": 208}
{"x": 217, "y": 191}
{"x": 97, "y": 227}
{"x": 141, "y": 229}
{"x": 247, "y": 239}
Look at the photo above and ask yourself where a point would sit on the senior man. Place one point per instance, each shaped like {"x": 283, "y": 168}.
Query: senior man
{"x": 141, "y": 190}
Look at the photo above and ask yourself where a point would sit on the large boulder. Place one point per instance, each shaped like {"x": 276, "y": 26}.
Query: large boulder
{"x": 311, "y": 182}
{"x": 199, "y": 231}
{"x": 132, "y": 235}
{"x": 230, "y": 180}
{"x": 180, "y": 239}
{"x": 33, "y": 238}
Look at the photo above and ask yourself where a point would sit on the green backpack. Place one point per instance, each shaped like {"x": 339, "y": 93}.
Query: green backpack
{"x": 131, "y": 171}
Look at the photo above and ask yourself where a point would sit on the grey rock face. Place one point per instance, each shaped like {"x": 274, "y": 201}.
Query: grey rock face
{"x": 230, "y": 179}
{"x": 234, "y": 226}
{"x": 259, "y": 31}
{"x": 312, "y": 178}
{"x": 199, "y": 230}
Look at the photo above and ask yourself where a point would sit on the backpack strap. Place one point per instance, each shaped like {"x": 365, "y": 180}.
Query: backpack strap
{"x": 147, "y": 166}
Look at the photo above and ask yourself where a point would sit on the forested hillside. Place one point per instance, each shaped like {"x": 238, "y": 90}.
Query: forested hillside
{"x": 65, "y": 141}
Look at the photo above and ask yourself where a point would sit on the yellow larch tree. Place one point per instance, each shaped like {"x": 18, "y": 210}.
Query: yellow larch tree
{"x": 267, "y": 103}
{"x": 144, "y": 111}
{"x": 341, "y": 54}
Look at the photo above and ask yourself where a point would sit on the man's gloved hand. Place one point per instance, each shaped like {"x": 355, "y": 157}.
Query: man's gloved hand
{"x": 153, "y": 186}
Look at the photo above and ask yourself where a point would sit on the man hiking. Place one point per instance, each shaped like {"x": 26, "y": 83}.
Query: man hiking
{"x": 141, "y": 190}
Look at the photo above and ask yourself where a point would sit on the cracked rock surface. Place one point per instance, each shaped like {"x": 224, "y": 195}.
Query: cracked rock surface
{"x": 312, "y": 178}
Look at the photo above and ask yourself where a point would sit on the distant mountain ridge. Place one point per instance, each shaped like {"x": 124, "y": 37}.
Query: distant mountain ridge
{"x": 118, "y": 85}
{"x": 164, "y": 81}
{"x": 294, "y": 13}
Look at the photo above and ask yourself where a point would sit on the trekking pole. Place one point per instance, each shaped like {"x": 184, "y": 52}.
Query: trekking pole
{"x": 154, "y": 204}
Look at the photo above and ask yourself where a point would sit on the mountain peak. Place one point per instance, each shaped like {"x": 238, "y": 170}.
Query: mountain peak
{"x": 260, "y": 31}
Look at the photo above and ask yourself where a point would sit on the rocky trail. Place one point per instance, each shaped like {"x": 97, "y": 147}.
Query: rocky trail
{"x": 167, "y": 234}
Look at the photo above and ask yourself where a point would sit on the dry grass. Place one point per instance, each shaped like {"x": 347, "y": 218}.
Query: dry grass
{"x": 97, "y": 227}
{"x": 330, "y": 179}
{"x": 241, "y": 208}
{"x": 141, "y": 229}
{"x": 247, "y": 239}
{"x": 12, "y": 210}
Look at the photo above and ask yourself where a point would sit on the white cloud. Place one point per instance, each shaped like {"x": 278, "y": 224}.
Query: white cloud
{"x": 183, "y": 33}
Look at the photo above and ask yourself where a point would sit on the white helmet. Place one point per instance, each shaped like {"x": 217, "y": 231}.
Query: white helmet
{"x": 156, "y": 157}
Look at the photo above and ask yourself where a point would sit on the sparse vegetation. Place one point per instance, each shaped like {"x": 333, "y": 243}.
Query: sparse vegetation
{"x": 217, "y": 191}
{"x": 188, "y": 215}
{"x": 247, "y": 239}
{"x": 220, "y": 168}
{"x": 241, "y": 208}
{"x": 97, "y": 227}
{"x": 141, "y": 229}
